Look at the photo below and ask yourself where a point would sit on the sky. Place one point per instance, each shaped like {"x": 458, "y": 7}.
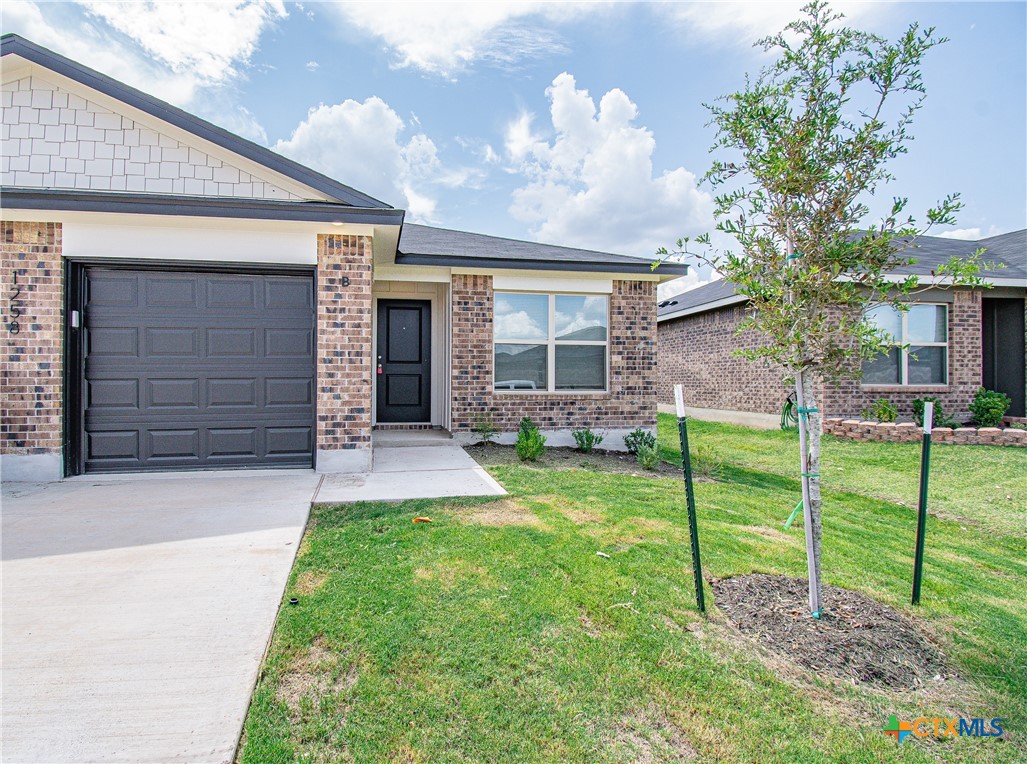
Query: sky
{"x": 579, "y": 124}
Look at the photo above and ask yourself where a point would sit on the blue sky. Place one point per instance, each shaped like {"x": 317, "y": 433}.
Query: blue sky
{"x": 579, "y": 124}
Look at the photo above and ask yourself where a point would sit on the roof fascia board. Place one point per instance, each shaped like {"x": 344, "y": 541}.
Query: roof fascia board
{"x": 484, "y": 264}
{"x": 193, "y": 206}
{"x": 15, "y": 45}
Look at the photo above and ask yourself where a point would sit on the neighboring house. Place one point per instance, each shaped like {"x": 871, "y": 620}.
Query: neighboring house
{"x": 959, "y": 339}
{"x": 176, "y": 297}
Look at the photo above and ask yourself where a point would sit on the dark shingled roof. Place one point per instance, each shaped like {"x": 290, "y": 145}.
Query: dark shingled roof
{"x": 1008, "y": 249}
{"x": 426, "y": 245}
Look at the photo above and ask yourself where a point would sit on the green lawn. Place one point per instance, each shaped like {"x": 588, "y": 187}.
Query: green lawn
{"x": 496, "y": 633}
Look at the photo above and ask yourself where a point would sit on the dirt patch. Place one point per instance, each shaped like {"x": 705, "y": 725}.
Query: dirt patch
{"x": 573, "y": 511}
{"x": 314, "y": 674}
{"x": 770, "y": 533}
{"x": 649, "y": 736}
{"x": 855, "y": 638}
{"x": 497, "y": 514}
{"x": 308, "y": 582}
{"x": 564, "y": 458}
{"x": 449, "y": 573}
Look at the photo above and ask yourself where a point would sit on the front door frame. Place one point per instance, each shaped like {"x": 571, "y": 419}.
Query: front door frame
{"x": 427, "y": 304}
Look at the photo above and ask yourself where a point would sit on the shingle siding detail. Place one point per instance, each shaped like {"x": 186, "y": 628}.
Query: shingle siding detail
{"x": 31, "y": 366}
{"x": 53, "y": 138}
{"x": 630, "y": 401}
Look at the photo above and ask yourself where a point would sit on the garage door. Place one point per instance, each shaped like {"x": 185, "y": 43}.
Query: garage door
{"x": 197, "y": 370}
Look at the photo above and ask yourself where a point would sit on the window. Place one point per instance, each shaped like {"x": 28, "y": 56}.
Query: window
{"x": 919, "y": 353}
{"x": 550, "y": 342}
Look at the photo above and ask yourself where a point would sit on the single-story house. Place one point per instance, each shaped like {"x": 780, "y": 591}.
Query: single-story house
{"x": 176, "y": 297}
{"x": 958, "y": 339}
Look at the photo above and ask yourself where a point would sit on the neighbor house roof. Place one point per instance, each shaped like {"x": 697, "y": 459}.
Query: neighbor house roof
{"x": 1008, "y": 250}
{"x": 426, "y": 245}
{"x": 12, "y": 44}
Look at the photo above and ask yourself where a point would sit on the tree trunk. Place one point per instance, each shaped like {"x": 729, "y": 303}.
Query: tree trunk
{"x": 809, "y": 446}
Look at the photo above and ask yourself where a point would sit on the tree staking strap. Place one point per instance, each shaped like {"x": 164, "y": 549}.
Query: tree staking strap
{"x": 793, "y": 256}
{"x": 810, "y": 474}
{"x": 804, "y": 411}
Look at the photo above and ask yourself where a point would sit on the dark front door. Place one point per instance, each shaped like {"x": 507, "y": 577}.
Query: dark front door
{"x": 403, "y": 361}
{"x": 189, "y": 370}
{"x": 1003, "y": 350}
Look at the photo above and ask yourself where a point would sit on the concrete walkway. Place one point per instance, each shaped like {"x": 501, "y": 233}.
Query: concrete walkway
{"x": 136, "y": 612}
{"x": 423, "y": 464}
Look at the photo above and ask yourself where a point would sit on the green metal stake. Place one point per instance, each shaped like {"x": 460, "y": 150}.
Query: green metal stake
{"x": 921, "y": 519}
{"x": 693, "y": 528}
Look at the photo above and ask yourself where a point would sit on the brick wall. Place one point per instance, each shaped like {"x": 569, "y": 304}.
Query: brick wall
{"x": 56, "y": 139}
{"x": 629, "y": 403}
{"x": 965, "y": 363}
{"x": 343, "y": 342}
{"x": 908, "y": 432}
{"x": 31, "y": 365}
{"x": 697, "y": 351}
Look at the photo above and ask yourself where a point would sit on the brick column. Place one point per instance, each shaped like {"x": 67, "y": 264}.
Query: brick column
{"x": 31, "y": 364}
{"x": 344, "y": 353}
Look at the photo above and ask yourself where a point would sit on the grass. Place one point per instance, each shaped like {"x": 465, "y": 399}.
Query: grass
{"x": 497, "y": 633}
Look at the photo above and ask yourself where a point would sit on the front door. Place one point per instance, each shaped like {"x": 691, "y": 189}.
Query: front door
{"x": 1003, "y": 351}
{"x": 403, "y": 362}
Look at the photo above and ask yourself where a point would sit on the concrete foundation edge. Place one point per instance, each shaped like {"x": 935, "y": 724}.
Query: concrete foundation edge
{"x": 353, "y": 460}
{"x": 31, "y": 468}
{"x": 745, "y": 418}
{"x": 613, "y": 439}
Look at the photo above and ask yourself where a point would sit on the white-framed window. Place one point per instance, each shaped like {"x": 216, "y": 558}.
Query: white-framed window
{"x": 918, "y": 353}
{"x": 551, "y": 342}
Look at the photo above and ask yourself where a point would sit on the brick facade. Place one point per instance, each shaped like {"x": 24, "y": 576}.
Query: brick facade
{"x": 31, "y": 366}
{"x": 698, "y": 352}
{"x": 343, "y": 342}
{"x": 908, "y": 432}
{"x": 630, "y": 401}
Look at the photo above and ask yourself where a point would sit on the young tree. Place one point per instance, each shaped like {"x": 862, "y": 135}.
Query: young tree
{"x": 808, "y": 141}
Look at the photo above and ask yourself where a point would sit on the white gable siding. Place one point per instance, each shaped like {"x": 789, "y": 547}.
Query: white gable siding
{"x": 53, "y": 138}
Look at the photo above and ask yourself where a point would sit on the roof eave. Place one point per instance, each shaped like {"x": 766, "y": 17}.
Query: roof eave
{"x": 196, "y": 206}
{"x": 706, "y": 307}
{"x": 456, "y": 261}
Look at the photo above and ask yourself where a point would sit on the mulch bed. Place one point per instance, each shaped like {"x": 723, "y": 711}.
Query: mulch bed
{"x": 564, "y": 458}
{"x": 855, "y": 638}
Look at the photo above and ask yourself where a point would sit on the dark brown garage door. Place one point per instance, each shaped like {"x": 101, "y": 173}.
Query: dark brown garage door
{"x": 197, "y": 370}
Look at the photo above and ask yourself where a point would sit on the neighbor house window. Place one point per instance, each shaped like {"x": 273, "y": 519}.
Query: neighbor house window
{"x": 551, "y": 342}
{"x": 918, "y": 353}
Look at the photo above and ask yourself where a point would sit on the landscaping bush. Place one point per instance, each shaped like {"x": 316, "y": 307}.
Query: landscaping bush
{"x": 635, "y": 439}
{"x": 941, "y": 419}
{"x": 586, "y": 440}
{"x": 484, "y": 427}
{"x": 531, "y": 444}
{"x": 989, "y": 407}
{"x": 706, "y": 462}
{"x": 882, "y": 410}
{"x": 648, "y": 457}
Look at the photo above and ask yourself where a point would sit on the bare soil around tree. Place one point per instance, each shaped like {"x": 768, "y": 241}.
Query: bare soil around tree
{"x": 855, "y": 638}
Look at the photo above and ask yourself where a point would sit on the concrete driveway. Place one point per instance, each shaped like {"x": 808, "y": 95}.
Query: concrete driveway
{"x": 136, "y": 612}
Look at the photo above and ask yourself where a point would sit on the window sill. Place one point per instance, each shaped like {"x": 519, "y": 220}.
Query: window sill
{"x": 551, "y": 393}
{"x": 906, "y": 388}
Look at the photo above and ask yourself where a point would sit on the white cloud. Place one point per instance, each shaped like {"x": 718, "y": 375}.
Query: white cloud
{"x": 313, "y": 66}
{"x": 742, "y": 23}
{"x": 210, "y": 40}
{"x": 446, "y": 38}
{"x": 967, "y": 234}
{"x": 695, "y": 278}
{"x": 593, "y": 185}
{"x": 361, "y": 145}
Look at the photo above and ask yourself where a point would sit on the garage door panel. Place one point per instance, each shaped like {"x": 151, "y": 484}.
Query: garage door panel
{"x": 212, "y": 370}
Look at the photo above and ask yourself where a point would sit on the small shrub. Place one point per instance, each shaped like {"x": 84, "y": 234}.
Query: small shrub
{"x": 883, "y": 410}
{"x": 484, "y": 427}
{"x": 586, "y": 440}
{"x": 1018, "y": 426}
{"x": 989, "y": 407}
{"x": 648, "y": 457}
{"x": 531, "y": 444}
{"x": 635, "y": 439}
{"x": 706, "y": 462}
{"x": 941, "y": 419}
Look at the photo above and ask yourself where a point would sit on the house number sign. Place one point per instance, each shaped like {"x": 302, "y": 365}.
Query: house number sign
{"x": 14, "y": 310}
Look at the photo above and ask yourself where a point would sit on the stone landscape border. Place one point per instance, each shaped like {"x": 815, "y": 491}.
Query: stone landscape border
{"x": 908, "y": 432}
